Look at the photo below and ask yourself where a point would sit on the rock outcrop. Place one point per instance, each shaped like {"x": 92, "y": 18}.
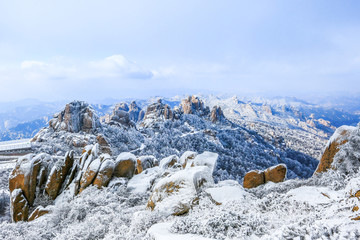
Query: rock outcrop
{"x": 105, "y": 173}
{"x": 29, "y": 173}
{"x": 121, "y": 115}
{"x": 157, "y": 112}
{"x": 256, "y": 178}
{"x": 77, "y": 116}
{"x": 275, "y": 174}
{"x": 253, "y": 179}
{"x": 19, "y": 206}
{"x": 135, "y": 112}
{"x": 194, "y": 105}
{"x": 177, "y": 193}
{"x": 125, "y": 165}
{"x": 145, "y": 162}
{"x": 39, "y": 180}
{"x": 216, "y": 114}
{"x": 339, "y": 138}
{"x": 179, "y": 188}
{"x": 58, "y": 174}
{"x": 38, "y": 212}
{"x": 104, "y": 144}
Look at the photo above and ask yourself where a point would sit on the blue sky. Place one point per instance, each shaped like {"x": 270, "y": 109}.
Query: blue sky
{"x": 91, "y": 50}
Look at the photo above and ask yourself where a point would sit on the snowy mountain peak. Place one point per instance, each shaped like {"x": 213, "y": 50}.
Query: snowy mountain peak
{"x": 194, "y": 105}
{"x": 77, "y": 116}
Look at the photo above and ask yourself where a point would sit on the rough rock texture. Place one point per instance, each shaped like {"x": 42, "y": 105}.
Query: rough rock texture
{"x": 253, "y": 179}
{"x": 336, "y": 141}
{"x": 177, "y": 193}
{"x": 58, "y": 174}
{"x": 90, "y": 174}
{"x": 77, "y": 116}
{"x": 24, "y": 175}
{"x": 170, "y": 162}
{"x": 216, "y": 114}
{"x": 105, "y": 173}
{"x": 193, "y": 105}
{"x": 124, "y": 168}
{"x": 19, "y": 206}
{"x": 145, "y": 162}
{"x": 121, "y": 115}
{"x": 38, "y": 212}
{"x": 135, "y": 112}
{"x": 104, "y": 144}
{"x": 157, "y": 112}
{"x": 273, "y": 174}
{"x": 187, "y": 158}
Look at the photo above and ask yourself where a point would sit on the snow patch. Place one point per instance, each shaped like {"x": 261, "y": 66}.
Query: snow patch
{"x": 161, "y": 231}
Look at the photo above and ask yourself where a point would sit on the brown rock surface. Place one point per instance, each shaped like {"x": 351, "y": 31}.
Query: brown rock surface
{"x": 24, "y": 176}
{"x": 192, "y": 104}
{"x": 216, "y": 114}
{"x": 90, "y": 174}
{"x": 145, "y": 162}
{"x": 124, "y": 168}
{"x": 19, "y": 206}
{"x": 38, "y": 212}
{"x": 275, "y": 174}
{"x": 58, "y": 175}
{"x": 157, "y": 112}
{"x": 105, "y": 173}
{"x": 253, "y": 179}
{"x": 104, "y": 144}
{"x": 139, "y": 167}
{"x": 338, "y": 139}
{"x": 77, "y": 116}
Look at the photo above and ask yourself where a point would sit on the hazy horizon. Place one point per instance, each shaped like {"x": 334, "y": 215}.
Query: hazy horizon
{"x": 89, "y": 50}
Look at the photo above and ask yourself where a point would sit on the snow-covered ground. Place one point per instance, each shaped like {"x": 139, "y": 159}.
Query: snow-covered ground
{"x": 295, "y": 209}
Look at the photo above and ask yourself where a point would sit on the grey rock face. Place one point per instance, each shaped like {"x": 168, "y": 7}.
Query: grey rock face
{"x": 77, "y": 116}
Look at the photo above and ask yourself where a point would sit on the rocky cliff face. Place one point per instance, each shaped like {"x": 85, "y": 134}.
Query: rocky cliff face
{"x": 135, "y": 112}
{"x": 37, "y": 181}
{"x": 194, "y": 105}
{"x": 339, "y": 138}
{"x": 217, "y": 115}
{"x": 77, "y": 116}
{"x": 121, "y": 115}
{"x": 157, "y": 112}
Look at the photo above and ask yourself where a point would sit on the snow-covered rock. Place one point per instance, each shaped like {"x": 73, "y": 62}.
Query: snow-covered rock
{"x": 125, "y": 165}
{"x": 157, "y": 112}
{"x": 170, "y": 162}
{"x": 314, "y": 195}
{"x": 177, "y": 193}
{"x": 77, "y": 116}
{"x": 141, "y": 183}
{"x": 19, "y": 206}
{"x": 145, "y": 162}
{"x": 340, "y": 137}
{"x": 208, "y": 159}
{"x": 226, "y": 191}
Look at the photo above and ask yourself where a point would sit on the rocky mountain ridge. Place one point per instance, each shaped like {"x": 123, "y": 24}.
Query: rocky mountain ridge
{"x": 177, "y": 197}
{"x": 166, "y": 131}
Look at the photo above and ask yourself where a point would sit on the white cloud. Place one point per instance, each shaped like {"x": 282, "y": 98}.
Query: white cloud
{"x": 116, "y": 66}
{"x": 119, "y": 66}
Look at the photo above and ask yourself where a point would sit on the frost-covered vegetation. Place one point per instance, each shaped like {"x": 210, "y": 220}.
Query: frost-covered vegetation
{"x": 294, "y": 209}
{"x": 301, "y": 207}
{"x": 239, "y": 148}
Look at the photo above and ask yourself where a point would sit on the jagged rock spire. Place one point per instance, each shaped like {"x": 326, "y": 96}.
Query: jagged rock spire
{"x": 77, "y": 116}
